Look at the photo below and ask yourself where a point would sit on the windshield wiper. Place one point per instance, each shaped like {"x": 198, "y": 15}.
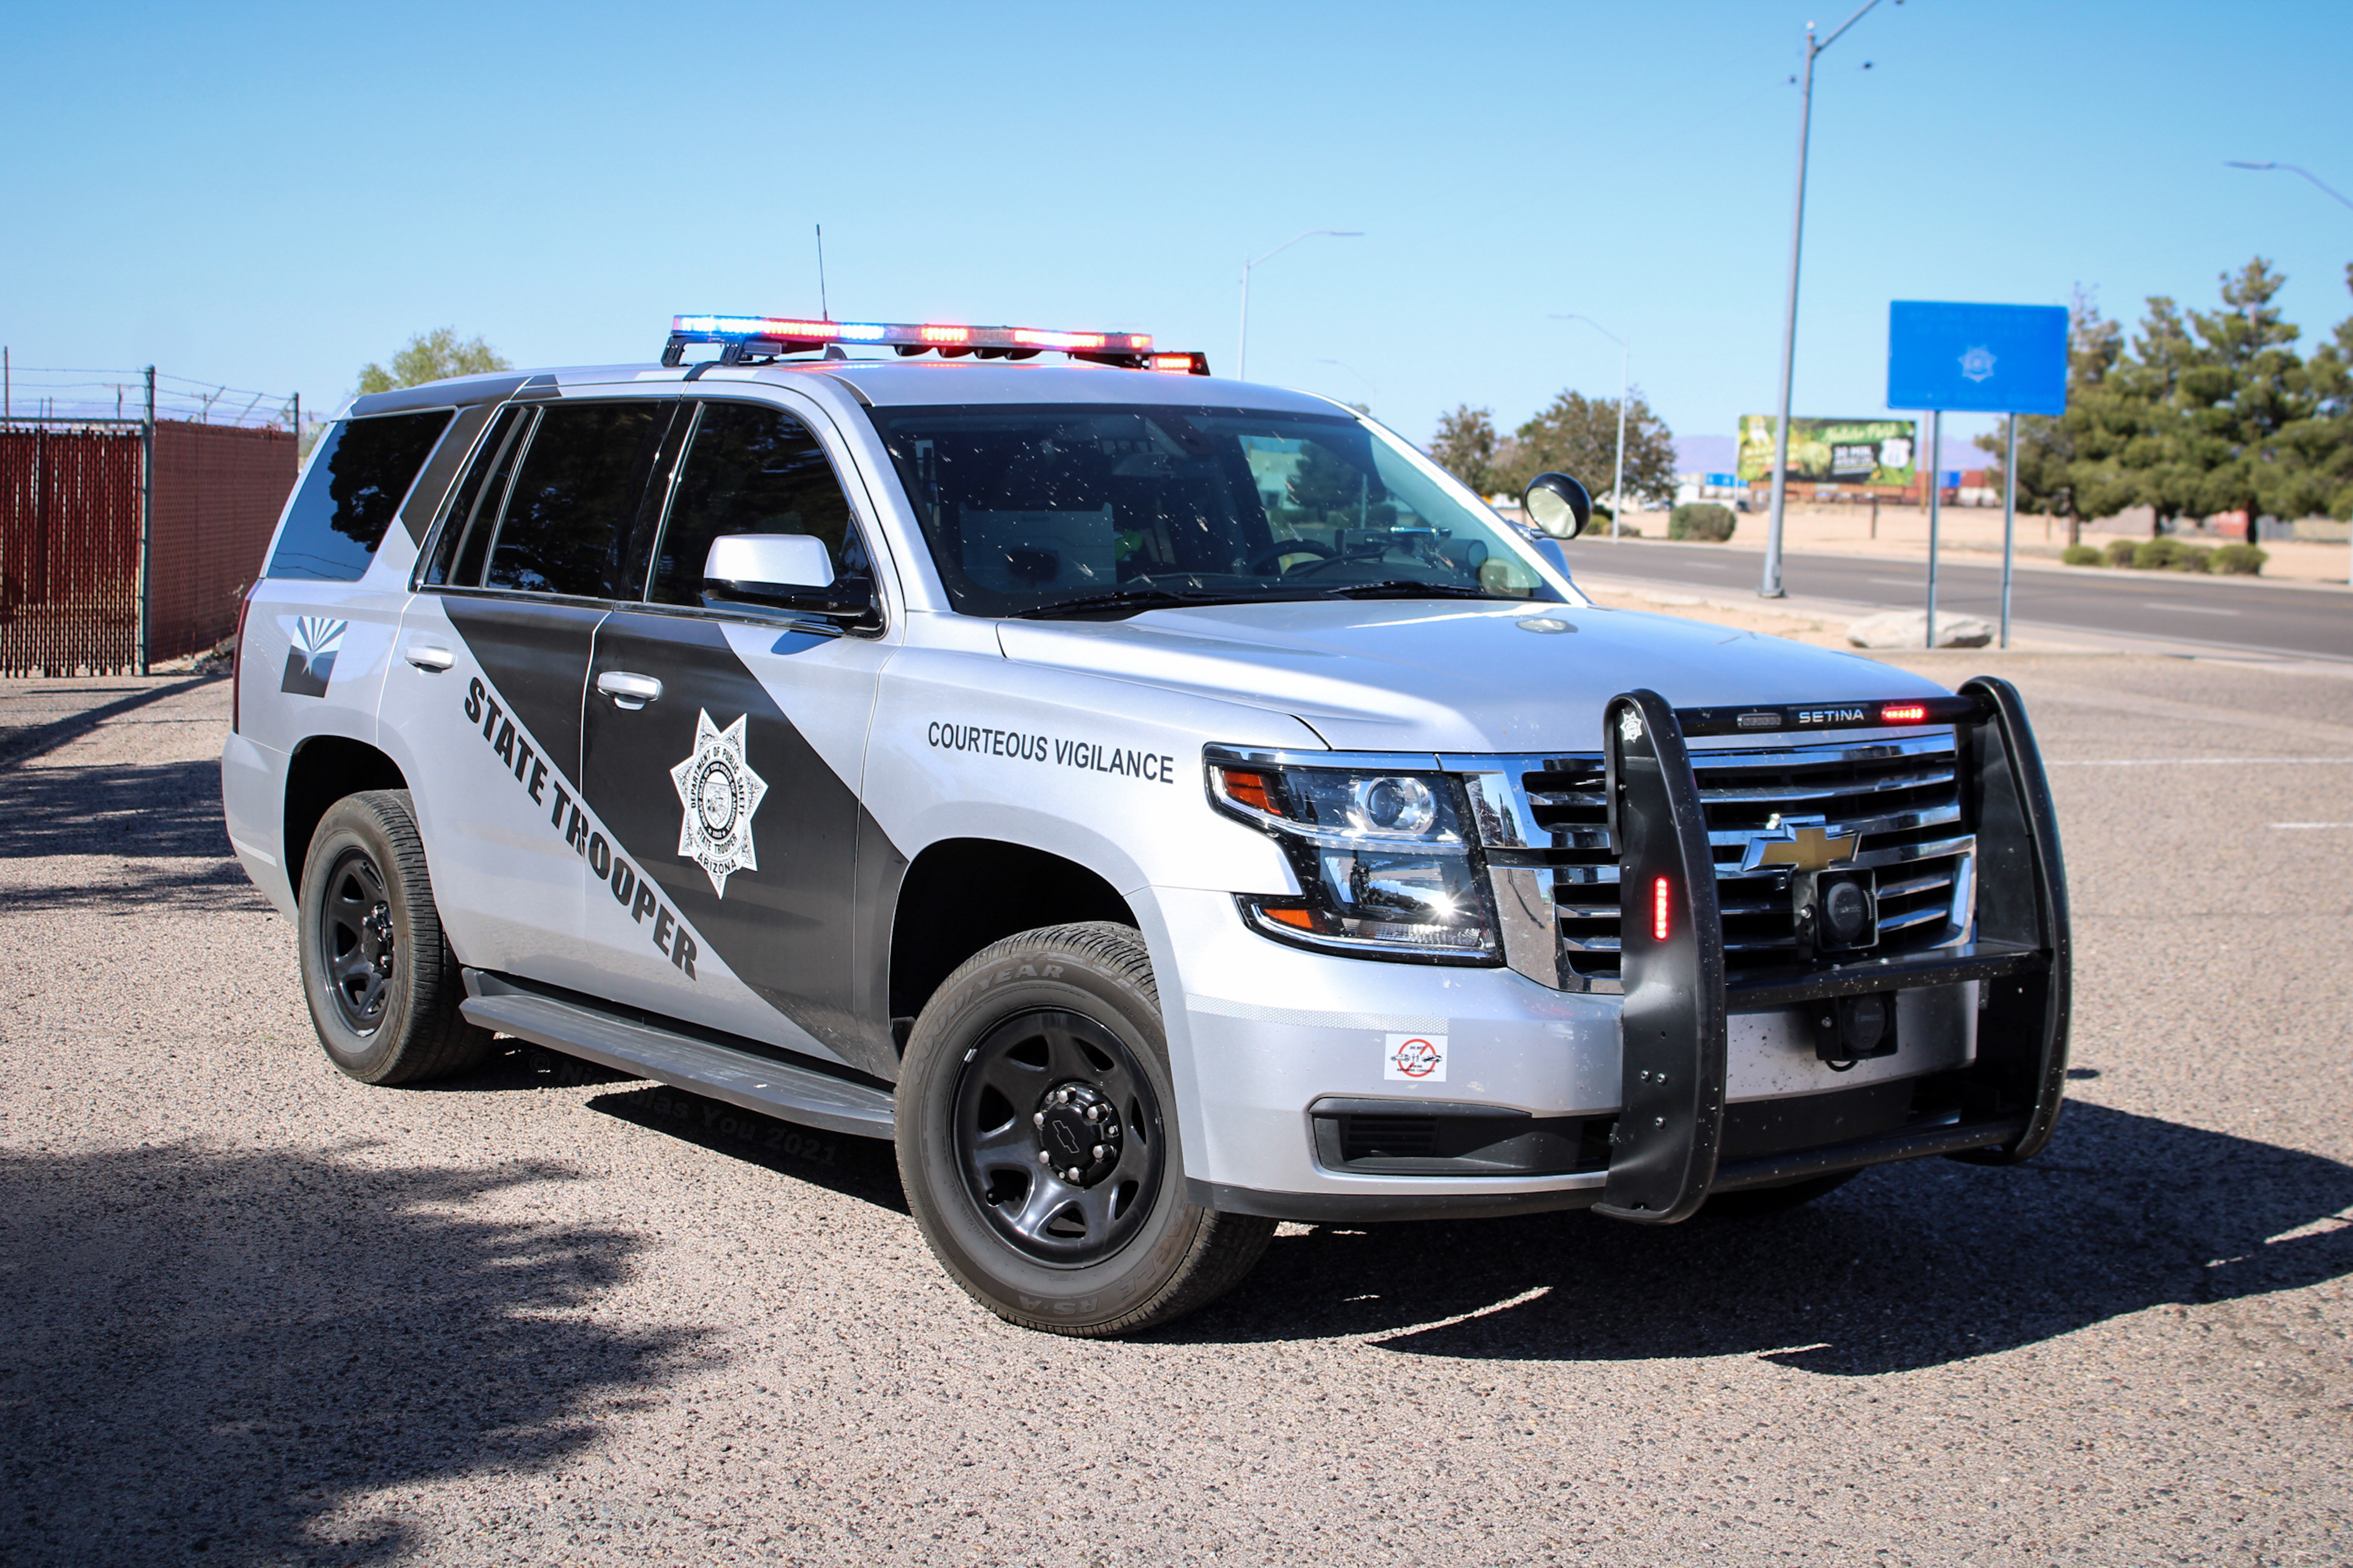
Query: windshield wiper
{"x": 1131, "y": 598}
{"x": 1407, "y": 588}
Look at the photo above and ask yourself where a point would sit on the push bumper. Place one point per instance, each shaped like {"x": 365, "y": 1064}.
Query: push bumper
{"x": 1695, "y": 1080}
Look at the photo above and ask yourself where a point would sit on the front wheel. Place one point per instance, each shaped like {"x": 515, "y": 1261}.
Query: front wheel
{"x": 382, "y": 983}
{"x": 1037, "y": 1141}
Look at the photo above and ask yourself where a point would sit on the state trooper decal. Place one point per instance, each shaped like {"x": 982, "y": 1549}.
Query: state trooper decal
{"x": 719, "y": 791}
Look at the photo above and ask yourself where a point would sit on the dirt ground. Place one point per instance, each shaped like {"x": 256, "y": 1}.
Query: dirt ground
{"x": 254, "y": 1313}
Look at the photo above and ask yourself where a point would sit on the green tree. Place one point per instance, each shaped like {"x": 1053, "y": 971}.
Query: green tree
{"x": 432, "y": 356}
{"x": 2069, "y": 465}
{"x": 2245, "y": 387}
{"x": 1465, "y": 446}
{"x": 1578, "y": 435}
{"x": 2314, "y": 473}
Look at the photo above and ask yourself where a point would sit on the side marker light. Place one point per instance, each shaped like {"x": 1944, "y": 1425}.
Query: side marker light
{"x": 1659, "y": 910}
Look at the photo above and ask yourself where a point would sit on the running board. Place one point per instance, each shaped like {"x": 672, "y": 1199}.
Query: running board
{"x": 772, "y": 1087}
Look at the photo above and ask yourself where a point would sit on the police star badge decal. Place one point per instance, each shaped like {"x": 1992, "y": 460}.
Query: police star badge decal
{"x": 719, "y": 791}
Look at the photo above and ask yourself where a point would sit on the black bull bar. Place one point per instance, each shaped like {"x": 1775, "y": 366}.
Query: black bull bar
{"x": 1664, "y": 1156}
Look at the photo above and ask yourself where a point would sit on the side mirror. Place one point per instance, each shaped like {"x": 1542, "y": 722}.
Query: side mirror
{"x": 1558, "y": 505}
{"x": 782, "y": 571}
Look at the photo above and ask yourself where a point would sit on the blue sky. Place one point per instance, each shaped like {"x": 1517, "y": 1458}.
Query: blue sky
{"x": 271, "y": 196}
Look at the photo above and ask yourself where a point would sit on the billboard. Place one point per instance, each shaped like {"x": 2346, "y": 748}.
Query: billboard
{"x": 1832, "y": 451}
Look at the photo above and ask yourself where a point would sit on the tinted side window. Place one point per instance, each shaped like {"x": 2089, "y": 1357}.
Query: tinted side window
{"x": 475, "y": 503}
{"x": 363, "y": 468}
{"x": 574, "y": 494}
{"x": 750, "y": 469}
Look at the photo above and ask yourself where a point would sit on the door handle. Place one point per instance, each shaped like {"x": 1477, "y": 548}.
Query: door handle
{"x": 431, "y": 657}
{"x": 628, "y": 690}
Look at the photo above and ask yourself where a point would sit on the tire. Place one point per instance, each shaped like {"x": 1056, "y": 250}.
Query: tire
{"x": 1755, "y": 1203}
{"x": 382, "y": 983}
{"x": 1052, "y": 1041}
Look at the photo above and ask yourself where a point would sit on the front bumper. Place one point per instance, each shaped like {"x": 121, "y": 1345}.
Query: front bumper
{"x": 1709, "y": 1067}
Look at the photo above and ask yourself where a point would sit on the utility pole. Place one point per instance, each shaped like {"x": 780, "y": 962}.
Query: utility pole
{"x": 1241, "y": 340}
{"x": 1617, "y": 477}
{"x": 1771, "y": 587}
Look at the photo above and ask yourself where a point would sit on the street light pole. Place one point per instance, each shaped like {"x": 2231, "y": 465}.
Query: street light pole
{"x": 1771, "y": 587}
{"x": 1241, "y": 340}
{"x": 1617, "y": 477}
{"x": 2292, "y": 169}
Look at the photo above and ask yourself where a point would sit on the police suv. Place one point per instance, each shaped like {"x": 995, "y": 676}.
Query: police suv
{"x": 1163, "y": 805}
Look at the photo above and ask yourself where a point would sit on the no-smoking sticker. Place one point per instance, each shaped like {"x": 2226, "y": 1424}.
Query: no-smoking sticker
{"x": 1414, "y": 1058}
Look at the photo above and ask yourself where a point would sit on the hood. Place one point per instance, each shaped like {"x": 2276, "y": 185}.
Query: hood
{"x": 1412, "y": 675}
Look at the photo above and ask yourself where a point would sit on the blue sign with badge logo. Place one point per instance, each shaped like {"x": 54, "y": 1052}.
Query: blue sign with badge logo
{"x": 1980, "y": 359}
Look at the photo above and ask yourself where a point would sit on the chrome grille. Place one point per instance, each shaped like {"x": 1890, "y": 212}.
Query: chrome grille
{"x": 1901, "y": 796}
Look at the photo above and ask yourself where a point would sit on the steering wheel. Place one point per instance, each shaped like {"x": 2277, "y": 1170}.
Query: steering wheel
{"x": 1342, "y": 557}
{"x": 1267, "y": 560}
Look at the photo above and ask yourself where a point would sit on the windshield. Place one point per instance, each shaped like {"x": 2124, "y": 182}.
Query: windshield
{"x": 1093, "y": 510}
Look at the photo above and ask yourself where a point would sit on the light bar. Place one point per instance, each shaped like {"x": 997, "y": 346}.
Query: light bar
{"x": 1659, "y": 926}
{"x": 922, "y": 335}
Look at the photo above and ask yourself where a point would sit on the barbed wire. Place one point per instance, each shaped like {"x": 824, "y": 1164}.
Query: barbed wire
{"x": 54, "y": 392}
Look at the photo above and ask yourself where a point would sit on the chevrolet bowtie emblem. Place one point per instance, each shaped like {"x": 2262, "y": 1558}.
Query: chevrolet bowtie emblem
{"x": 1807, "y": 846}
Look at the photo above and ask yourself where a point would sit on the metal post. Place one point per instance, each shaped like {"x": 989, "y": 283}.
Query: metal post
{"x": 146, "y": 518}
{"x": 1241, "y": 340}
{"x": 7, "y": 390}
{"x": 1617, "y": 477}
{"x": 2009, "y": 518}
{"x": 1770, "y": 588}
{"x": 1936, "y": 495}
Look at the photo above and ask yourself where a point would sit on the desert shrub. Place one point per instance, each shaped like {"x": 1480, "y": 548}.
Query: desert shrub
{"x": 2239, "y": 560}
{"x": 2120, "y": 551}
{"x": 2155, "y": 554}
{"x": 2193, "y": 558}
{"x": 1701, "y": 520}
{"x": 2082, "y": 555}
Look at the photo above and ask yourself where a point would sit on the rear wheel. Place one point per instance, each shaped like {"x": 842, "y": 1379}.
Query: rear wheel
{"x": 381, "y": 982}
{"x": 1037, "y": 1141}
{"x": 1751, "y": 1203}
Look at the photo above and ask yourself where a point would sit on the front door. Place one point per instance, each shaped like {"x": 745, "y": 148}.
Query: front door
{"x": 722, "y": 751}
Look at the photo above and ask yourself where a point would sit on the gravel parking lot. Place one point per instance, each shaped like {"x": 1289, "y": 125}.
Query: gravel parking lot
{"x": 253, "y": 1312}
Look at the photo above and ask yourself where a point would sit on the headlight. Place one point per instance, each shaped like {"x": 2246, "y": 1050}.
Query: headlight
{"x": 1382, "y": 857}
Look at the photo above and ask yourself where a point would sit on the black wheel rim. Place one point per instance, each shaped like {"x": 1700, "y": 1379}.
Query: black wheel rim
{"x": 1057, "y": 1137}
{"x": 356, "y": 953}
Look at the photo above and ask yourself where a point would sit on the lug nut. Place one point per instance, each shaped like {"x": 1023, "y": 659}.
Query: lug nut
{"x": 1073, "y": 1175}
{"x": 1037, "y": 1120}
{"x": 1101, "y": 1151}
{"x": 1044, "y": 1158}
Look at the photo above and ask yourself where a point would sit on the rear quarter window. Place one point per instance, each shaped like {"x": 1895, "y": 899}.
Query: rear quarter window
{"x": 351, "y": 493}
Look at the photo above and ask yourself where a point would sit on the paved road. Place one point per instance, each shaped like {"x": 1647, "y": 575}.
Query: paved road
{"x": 2175, "y": 607}
{"x": 253, "y": 1313}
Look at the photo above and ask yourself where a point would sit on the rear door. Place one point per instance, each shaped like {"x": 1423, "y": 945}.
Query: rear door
{"x": 735, "y": 790}
{"x": 494, "y": 658}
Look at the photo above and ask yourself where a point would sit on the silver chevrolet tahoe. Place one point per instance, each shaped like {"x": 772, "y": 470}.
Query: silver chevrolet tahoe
{"x": 1162, "y": 806}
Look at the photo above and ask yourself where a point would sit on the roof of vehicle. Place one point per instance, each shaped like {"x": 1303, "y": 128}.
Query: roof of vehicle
{"x": 889, "y": 384}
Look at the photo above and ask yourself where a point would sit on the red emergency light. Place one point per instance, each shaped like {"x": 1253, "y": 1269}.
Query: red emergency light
{"x": 742, "y": 339}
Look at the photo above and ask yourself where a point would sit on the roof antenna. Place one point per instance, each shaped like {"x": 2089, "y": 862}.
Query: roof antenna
{"x": 825, "y": 311}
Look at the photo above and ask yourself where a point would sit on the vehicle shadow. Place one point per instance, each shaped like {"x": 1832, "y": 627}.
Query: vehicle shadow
{"x": 862, "y": 1168}
{"x": 163, "y": 818}
{"x": 1910, "y": 1266}
{"x": 219, "y": 1353}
